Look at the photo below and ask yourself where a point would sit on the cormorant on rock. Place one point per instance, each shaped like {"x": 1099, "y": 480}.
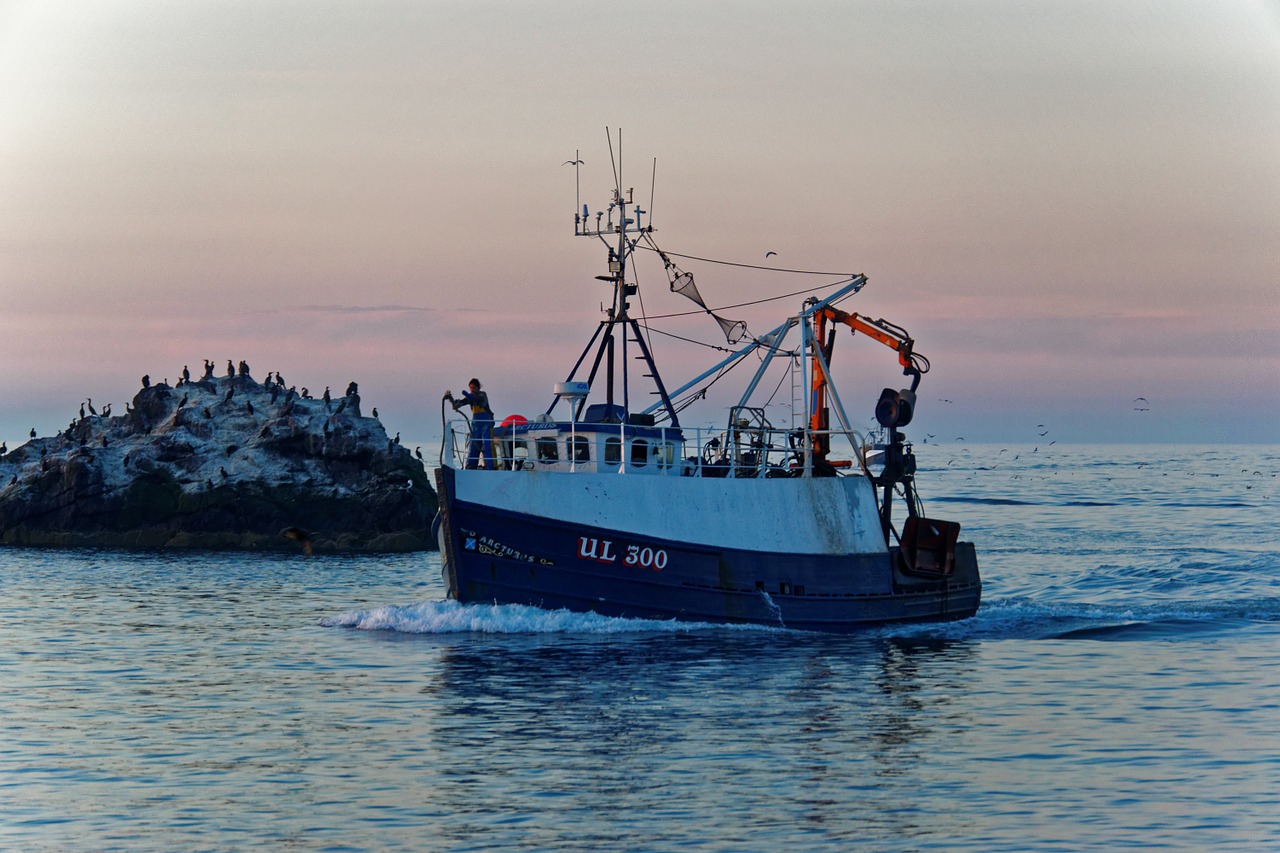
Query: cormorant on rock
{"x": 279, "y": 379}
{"x": 82, "y": 411}
{"x": 306, "y": 394}
{"x": 128, "y": 410}
{"x": 267, "y": 381}
{"x": 207, "y": 413}
{"x": 352, "y": 389}
{"x": 230, "y": 393}
{"x": 249, "y": 406}
{"x": 275, "y": 392}
{"x": 326, "y": 398}
{"x": 106, "y": 410}
{"x": 146, "y": 380}
{"x": 375, "y": 413}
{"x": 209, "y": 484}
{"x": 33, "y": 432}
{"x": 223, "y": 472}
{"x": 183, "y": 401}
{"x": 186, "y": 374}
{"x": 396, "y": 440}
{"x": 208, "y": 369}
{"x": 14, "y": 480}
{"x": 104, "y": 441}
{"x": 231, "y": 368}
{"x": 417, "y": 451}
{"x": 342, "y": 404}
{"x": 44, "y": 464}
{"x": 244, "y": 368}
{"x": 92, "y": 410}
{"x": 4, "y": 448}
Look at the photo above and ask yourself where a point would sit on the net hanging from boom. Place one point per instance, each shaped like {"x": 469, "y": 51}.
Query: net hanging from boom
{"x": 682, "y": 283}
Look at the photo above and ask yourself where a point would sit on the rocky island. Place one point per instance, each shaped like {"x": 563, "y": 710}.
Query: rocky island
{"x": 222, "y": 462}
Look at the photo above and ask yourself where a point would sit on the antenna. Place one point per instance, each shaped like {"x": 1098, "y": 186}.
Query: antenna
{"x": 652, "y": 184}
{"x": 577, "y": 179}
{"x": 615, "y": 162}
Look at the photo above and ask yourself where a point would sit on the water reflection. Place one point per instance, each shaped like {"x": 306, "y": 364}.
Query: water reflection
{"x": 673, "y": 725}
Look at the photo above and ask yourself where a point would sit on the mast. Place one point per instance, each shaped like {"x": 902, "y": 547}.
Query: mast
{"x": 613, "y": 338}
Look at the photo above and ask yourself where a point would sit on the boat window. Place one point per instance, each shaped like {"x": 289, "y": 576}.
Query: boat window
{"x": 640, "y": 452}
{"x": 612, "y": 450}
{"x": 665, "y": 453}
{"x": 581, "y": 448}
{"x": 548, "y": 449}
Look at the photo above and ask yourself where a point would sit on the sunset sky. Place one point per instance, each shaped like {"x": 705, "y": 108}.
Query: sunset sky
{"x": 1069, "y": 205}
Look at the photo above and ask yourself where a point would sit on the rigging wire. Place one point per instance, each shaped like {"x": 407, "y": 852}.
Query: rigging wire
{"x": 654, "y": 248}
{"x": 641, "y": 322}
{"x": 748, "y": 304}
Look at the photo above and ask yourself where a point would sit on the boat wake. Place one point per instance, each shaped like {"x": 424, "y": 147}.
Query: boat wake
{"x": 1007, "y": 619}
{"x": 450, "y": 617}
{"x": 1022, "y": 619}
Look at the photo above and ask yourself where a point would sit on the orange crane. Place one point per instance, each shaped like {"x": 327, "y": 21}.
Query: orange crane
{"x": 895, "y": 407}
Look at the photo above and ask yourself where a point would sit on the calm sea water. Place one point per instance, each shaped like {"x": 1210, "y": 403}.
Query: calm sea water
{"x": 1120, "y": 687}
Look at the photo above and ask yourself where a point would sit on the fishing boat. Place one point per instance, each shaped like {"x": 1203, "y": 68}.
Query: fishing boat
{"x": 615, "y": 503}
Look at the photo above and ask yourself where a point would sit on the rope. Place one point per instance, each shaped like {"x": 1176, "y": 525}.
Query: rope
{"x": 653, "y": 248}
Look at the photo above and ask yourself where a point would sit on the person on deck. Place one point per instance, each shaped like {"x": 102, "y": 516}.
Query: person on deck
{"x": 481, "y": 443}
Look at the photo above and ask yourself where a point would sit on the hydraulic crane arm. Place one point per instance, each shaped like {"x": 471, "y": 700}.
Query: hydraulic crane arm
{"x": 893, "y": 336}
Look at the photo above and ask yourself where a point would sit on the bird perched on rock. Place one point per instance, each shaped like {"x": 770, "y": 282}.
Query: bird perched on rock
{"x": 146, "y": 380}
{"x": 375, "y": 412}
{"x": 33, "y": 432}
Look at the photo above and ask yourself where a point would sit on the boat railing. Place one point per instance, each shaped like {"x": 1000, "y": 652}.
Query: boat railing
{"x": 738, "y": 451}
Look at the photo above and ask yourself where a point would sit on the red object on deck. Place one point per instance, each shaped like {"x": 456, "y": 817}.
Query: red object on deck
{"x": 514, "y": 420}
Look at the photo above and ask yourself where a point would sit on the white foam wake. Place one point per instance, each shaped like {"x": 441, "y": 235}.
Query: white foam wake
{"x": 450, "y": 617}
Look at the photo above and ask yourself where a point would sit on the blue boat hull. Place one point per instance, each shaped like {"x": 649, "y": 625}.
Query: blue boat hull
{"x": 494, "y": 554}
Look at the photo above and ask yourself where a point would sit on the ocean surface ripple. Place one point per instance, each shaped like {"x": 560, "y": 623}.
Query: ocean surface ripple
{"x": 1120, "y": 687}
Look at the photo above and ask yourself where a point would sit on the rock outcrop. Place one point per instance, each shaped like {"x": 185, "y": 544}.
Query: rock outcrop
{"x": 223, "y": 462}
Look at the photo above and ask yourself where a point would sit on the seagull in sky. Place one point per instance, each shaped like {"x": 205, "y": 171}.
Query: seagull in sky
{"x": 573, "y": 163}
{"x": 767, "y": 254}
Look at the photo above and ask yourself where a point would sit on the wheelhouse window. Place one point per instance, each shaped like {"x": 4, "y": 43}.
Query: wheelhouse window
{"x": 581, "y": 448}
{"x": 639, "y": 452}
{"x": 548, "y": 449}
{"x": 612, "y": 450}
{"x": 665, "y": 452}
